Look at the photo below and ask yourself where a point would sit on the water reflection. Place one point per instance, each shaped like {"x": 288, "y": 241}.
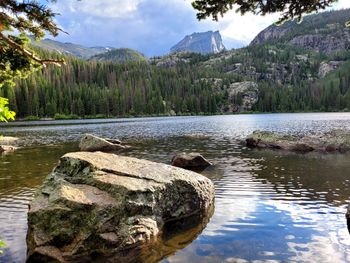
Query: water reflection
{"x": 176, "y": 236}
{"x": 20, "y": 174}
{"x": 270, "y": 206}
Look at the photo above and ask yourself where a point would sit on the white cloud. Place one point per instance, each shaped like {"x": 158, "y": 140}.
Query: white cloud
{"x": 342, "y": 4}
{"x": 244, "y": 28}
{"x": 103, "y": 9}
{"x": 151, "y": 26}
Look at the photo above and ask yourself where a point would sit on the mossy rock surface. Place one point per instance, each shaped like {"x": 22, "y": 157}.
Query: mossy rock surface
{"x": 108, "y": 206}
{"x": 332, "y": 141}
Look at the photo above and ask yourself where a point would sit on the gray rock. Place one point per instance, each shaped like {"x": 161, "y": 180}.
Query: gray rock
{"x": 324, "y": 43}
{"x": 269, "y": 34}
{"x": 325, "y": 35}
{"x": 330, "y": 142}
{"x": 205, "y": 43}
{"x": 8, "y": 144}
{"x": 100, "y": 205}
{"x": 92, "y": 143}
{"x": 7, "y": 148}
{"x": 326, "y": 68}
{"x": 8, "y": 140}
{"x": 191, "y": 160}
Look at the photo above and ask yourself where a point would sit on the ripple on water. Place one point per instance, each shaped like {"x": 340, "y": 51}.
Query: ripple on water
{"x": 269, "y": 206}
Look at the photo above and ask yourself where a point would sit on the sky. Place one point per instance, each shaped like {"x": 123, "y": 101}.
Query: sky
{"x": 151, "y": 26}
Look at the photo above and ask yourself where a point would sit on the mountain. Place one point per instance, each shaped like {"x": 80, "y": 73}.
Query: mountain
{"x": 205, "y": 43}
{"x": 120, "y": 55}
{"x": 325, "y": 32}
{"x": 69, "y": 48}
{"x": 273, "y": 74}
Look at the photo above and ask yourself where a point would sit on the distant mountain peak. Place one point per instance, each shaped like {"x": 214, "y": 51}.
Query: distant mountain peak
{"x": 69, "y": 48}
{"x": 204, "y": 42}
{"x": 120, "y": 55}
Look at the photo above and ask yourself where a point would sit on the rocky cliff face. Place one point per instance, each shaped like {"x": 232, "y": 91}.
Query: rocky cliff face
{"x": 270, "y": 34}
{"x": 339, "y": 40}
{"x": 324, "y": 33}
{"x": 205, "y": 43}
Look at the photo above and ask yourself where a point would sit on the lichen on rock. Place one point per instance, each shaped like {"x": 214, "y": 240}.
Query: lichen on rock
{"x": 92, "y": 143}
{"x": 99, "y": 205}
{"x": 332, "y": 141}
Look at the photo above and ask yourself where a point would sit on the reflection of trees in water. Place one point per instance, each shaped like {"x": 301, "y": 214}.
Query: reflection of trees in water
{"x": 27, "y": 167}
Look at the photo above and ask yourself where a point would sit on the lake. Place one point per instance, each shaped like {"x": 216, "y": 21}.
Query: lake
{"x": 270, "y": 206}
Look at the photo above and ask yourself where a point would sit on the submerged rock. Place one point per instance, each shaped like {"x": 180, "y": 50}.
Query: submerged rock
{"x": 191, "y": 160}
{"x": 332, "y": 141}
{"x": 7, "y": 144}
{"x": 92, "y": 143}
{"x": 100, "y": 205}
{"x": 7, "y": 148}
{"x": 199, "y": 136}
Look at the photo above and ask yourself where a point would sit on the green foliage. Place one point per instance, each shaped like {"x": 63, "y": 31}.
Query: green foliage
{"x": 287, "y": 78}
{"x": 2, "y": 245}
{"x": 32, "y": 118}
{"x": 290, "y": 9}
{"x": 5, "y": 113}
{"x": 59, "y": 116}
{"x": 27, "y": 18}
{"x": 12, "y": 62}
{"x": 329, "y": 94}
{"x": 325, "y": 23}
{"x": 90, "y": 88}
{"x": 17, "y": 60}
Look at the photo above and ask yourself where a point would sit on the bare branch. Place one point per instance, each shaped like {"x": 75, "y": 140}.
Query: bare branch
{"x": 29, "y": 54}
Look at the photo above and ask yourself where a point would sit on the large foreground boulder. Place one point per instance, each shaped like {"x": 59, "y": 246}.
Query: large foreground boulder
{"x": 330, "y": 142}
{"x": 92, "y": 143}
{"x": 100, "y": 205}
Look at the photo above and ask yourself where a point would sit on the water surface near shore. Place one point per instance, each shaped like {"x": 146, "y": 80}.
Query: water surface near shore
{"x": 269, "y": 205}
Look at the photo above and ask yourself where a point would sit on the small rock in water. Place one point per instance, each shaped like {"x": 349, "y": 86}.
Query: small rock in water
{"x": 110, "y": 207}
{"x": 191, "y": 160}
{"x": 92, "y": 143}
{"x": 7, "y": 148}
{"x": 301, "y": 148}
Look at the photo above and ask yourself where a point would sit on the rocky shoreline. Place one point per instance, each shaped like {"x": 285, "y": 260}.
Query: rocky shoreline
{"x": 335, "y": 141}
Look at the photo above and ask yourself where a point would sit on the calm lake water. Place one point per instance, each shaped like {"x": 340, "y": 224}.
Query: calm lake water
{"x": 270, "y": 206}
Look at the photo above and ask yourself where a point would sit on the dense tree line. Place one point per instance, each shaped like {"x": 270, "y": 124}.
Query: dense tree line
{"x": 287, "y": 78}
{"x": 329, "y": 94}
{"x": 89, "y": 88}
